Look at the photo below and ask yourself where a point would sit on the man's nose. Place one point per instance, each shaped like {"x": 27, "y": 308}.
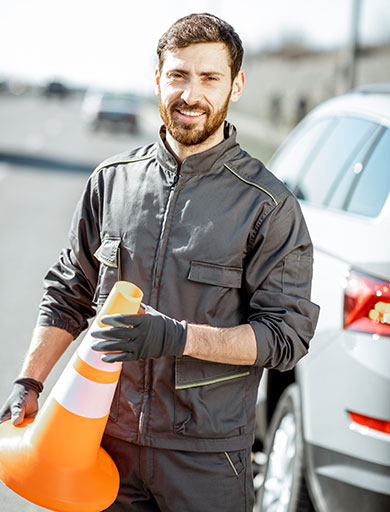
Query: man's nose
{"x": 191, "y": 92}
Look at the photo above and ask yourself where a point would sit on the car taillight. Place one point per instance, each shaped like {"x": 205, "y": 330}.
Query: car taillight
{"x": 367, "y": 304}
{"x": 373, "y": 423}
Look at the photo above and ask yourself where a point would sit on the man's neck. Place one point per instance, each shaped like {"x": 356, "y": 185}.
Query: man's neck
{"x": 181, "y": 152}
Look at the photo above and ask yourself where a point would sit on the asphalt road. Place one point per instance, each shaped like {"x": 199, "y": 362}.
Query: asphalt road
{"x": 45, "y": 157}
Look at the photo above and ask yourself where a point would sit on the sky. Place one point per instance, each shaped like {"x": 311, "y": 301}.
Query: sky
{"x": 111, "y": 43}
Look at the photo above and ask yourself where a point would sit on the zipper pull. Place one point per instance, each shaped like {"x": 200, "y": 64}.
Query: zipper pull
{"x": 175, "y": 180}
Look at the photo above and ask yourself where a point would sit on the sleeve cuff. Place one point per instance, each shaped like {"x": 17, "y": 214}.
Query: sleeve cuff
{"x": 61, "y": 324}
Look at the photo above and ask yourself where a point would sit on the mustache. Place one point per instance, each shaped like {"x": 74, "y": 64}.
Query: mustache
{"x": 195, "y": 107}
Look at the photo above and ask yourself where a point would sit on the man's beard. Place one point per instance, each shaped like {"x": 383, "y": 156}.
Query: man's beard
{"x": 186, "y": 133}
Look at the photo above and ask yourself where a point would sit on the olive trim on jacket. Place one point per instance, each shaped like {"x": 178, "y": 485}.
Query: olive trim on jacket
{"x": 211, "y": 381}
{"x": 105, "y": 165}
{"x": 251, "y": 183}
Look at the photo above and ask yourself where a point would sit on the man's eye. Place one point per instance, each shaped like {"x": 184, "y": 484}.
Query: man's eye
{"x": 211, "y": 78}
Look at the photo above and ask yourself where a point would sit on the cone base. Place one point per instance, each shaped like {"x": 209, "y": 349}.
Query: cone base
{"x": 44, "y": 483}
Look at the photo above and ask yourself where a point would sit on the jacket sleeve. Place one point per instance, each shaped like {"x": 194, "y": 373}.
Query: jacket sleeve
{"x": 70, "y": 284}
{"x": 278, "y": 279}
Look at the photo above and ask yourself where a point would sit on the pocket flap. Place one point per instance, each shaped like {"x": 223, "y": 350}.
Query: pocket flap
{"x": 107, "y": 253}
{"x": 191, "y": 373}
{"x": 219, "y": 275}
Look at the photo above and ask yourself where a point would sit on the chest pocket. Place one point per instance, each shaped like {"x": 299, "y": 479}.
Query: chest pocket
{"x": 108, "y": 255}
{"x": 218, "y": 275}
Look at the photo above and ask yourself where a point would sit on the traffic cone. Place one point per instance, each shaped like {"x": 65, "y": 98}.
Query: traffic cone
{"x": 56, "y": 460}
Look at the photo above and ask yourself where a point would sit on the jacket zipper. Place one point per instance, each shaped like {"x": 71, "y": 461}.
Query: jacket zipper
{"x": 162, "y": 235}
{"x": 160, "y": 254}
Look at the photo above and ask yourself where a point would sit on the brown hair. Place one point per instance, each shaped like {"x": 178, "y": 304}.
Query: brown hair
{"x": 202, "y": 28}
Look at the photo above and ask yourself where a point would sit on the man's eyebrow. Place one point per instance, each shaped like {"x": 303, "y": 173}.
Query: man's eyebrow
{"x": 177, "y": 70}
{"x": 213, "y": 73}
{"x": 202, "y": 73}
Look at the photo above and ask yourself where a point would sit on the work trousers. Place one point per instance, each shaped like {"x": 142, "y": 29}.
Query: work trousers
{"x": 159, "y": 480}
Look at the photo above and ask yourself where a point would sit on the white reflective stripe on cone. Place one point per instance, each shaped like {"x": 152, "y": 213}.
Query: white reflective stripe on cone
{"x": 93, "y": 358}
{"x": 82, "y": 396}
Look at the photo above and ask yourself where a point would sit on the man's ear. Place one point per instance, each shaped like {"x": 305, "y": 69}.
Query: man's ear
{"x": 238, "y": 86}
{"x": 157, "y": 81}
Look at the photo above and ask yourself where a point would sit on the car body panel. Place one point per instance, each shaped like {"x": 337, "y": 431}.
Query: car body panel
{"x": 342, "y": 243}
{"x": 345, "y": 370}
{"x": 328, "y": 394}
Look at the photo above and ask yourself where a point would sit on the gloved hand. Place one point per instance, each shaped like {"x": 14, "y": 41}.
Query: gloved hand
{"x": 22, "y": 402}
{"x": 142, "y": 336}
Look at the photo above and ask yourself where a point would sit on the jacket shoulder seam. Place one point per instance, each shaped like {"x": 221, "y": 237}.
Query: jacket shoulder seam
{"x": 122, "y": 161}
{"x": 251, "y": 182}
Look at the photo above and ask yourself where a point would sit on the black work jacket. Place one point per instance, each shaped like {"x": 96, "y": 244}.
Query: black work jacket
{"x": 223, "y": 243}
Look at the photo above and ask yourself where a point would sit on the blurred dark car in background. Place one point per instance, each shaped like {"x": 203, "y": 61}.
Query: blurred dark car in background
{"x": 323, "y": 429}
{"x": 111, "y": 110}
{"x": 56, "y": 89}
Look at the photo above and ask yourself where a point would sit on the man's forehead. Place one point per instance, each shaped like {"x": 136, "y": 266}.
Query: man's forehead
{"x": 203, "y": 54}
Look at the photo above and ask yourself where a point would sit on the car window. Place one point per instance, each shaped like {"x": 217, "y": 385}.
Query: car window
{"x": 340, "y": 192}
{"x": 373, "y": 185}
{"x": 292, "y": 158}
{"x": 333, "y": 158}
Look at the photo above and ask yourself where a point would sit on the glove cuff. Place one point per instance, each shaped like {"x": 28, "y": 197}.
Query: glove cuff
{"x": 30, "y": 383}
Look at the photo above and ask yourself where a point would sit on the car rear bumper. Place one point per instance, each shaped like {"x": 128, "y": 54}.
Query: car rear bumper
{"x": 348, "y": 373}
{"x": 339, "y": 482}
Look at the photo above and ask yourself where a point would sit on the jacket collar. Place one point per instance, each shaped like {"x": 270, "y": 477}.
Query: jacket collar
{"x": 200, "y": 163}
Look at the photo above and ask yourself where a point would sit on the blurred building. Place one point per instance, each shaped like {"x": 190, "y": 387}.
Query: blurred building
{"x": 283, "y": 85}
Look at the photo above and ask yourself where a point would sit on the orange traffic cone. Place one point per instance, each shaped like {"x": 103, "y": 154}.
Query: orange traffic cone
{"x": 56, "y": 460}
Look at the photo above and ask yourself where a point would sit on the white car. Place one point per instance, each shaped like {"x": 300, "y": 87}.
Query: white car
{"x": 325, "y": 426}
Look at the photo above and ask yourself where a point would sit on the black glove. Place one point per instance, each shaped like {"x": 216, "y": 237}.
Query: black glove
{"x": 23, "y": 401}
{"x": 142, "y": 336}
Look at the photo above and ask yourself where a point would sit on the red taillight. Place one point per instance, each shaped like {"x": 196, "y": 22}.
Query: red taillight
{"x": 373, "y": 423}
{"x": 367, "y": 304}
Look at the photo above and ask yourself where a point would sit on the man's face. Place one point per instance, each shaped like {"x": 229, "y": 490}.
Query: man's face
{"x": 195, "y": 89}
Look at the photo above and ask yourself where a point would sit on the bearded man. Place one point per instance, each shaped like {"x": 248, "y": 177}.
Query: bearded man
{"x": 220, "y": 249}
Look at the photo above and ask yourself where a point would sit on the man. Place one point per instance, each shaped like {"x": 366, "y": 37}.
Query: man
{"x": 221, "y": 251}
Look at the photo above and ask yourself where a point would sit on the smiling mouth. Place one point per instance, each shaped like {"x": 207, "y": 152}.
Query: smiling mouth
{"x": 189, "y": 113}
